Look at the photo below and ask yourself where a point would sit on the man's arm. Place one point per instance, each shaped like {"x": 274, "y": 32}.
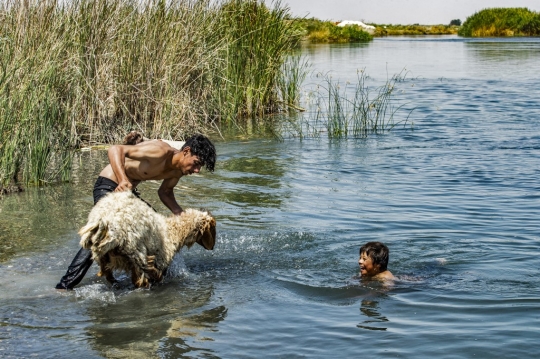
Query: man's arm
{"x": 117, "y": 159}
{"x": 166, "y": 194}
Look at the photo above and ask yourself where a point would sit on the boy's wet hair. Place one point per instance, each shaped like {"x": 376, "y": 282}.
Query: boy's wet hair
{"x": 378, "y": 252}
{"x": 201, "y": 147}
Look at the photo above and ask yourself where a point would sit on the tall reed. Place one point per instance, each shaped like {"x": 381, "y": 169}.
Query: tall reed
{"x": 258, "y": 42}
{"x": 293, "y": 73}
{"x": 349, "y": 111}
{"x": 87, "y": 71}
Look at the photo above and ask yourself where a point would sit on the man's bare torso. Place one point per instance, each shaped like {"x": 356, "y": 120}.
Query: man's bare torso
{"x": 157, "y": 164}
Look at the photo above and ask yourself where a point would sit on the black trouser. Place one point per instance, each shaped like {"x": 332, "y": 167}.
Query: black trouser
{"x": 83, "y": 259}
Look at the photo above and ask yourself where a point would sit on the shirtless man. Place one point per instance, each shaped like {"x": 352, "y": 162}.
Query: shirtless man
{"x": 148, "y": 160}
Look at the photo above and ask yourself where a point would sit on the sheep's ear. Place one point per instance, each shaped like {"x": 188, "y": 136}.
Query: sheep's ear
{"x": 208, "y": 238}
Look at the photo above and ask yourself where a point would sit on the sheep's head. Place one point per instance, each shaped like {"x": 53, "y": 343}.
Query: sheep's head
{"x": 207, "y": 237}
{"x": 193, "y": 226}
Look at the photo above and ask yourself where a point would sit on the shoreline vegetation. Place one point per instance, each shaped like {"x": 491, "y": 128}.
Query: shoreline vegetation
{"x": 501, "y": 22}
{"x": 492, "y": 22}
{"x": 350, "y": 110}
{"x": 84, "y": 73}
{"x": 323, "y": 31}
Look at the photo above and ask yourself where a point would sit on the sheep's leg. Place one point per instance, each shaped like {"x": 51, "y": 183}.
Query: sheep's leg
{"x": 110, "y": 277}
{"x": 105, "y": 270}
{"x": 138, "y": 278}
{"x": 153, "y": 273}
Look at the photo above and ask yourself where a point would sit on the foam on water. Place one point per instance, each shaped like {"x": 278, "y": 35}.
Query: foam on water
{"x": 95, "y": 292}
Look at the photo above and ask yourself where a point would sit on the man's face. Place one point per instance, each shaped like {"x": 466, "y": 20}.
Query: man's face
{"x": 367, "y": 267}
{"x": 191, "y": 163}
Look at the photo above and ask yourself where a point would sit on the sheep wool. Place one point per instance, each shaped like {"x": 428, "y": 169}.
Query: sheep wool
{"x": 124, "y": 233}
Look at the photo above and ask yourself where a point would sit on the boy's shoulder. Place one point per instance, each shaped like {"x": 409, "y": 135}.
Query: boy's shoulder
{"x": 386, "y": 275}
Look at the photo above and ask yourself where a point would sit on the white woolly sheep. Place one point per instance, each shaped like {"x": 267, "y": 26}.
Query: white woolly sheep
{"x": 124, "y": 233}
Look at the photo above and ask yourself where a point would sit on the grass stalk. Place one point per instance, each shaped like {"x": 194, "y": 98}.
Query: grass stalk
{"x": 345, "y": 111}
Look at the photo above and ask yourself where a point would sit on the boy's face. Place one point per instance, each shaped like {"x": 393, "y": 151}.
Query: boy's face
{"x": 367, "y": 267}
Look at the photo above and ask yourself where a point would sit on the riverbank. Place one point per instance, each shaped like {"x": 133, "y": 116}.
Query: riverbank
{"x": 323, "y": 31}
{"x": 491, "y": 22}
{"x": 416, "y": 29}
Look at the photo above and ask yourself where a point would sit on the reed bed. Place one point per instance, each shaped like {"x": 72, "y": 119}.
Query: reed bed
{"x": 497, "y": 22}
{"x": 259, "y": 40}
{"x": 350, "y": 111}
{"x": 85, "y": 72}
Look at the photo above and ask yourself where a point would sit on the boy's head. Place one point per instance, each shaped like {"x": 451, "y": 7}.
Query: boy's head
{"x": 200, "y": 146}
{"x": 373, "y": 258}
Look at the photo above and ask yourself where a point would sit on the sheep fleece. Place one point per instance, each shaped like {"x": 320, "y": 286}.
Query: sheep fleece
{"x": 122, "y": 231}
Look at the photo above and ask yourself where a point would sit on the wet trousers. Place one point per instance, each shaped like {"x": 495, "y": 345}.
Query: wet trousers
{"x": 83, "y": 259}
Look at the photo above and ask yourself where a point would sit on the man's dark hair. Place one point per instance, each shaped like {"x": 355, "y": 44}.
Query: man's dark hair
{"x": 378, "y": 253}
{"x": 201, "y": 147}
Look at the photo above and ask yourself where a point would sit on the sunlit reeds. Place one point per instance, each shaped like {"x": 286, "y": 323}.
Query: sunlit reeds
{"x": 257, "y": 41}
{"x": 88, "y": 71}
{"x": 293, "y": 72}
{"x": 353, "y": 110}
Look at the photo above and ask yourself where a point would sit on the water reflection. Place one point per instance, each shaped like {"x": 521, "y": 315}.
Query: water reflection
{"x": 250, "y": 180}
{"x": 38, "y": 218}
{"x": 494, "y": 54}
{"x": 169, "y": 320}
{"x": 370, "y": 308}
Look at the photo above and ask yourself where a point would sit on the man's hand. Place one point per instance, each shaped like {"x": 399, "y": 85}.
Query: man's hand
{"x": 124, "y": 186}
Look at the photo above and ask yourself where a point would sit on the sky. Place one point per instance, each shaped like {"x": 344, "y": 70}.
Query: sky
{"x": 403, "y": 12}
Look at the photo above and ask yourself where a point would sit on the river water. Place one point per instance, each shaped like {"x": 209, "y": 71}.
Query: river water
{"x": 456, "y": 198}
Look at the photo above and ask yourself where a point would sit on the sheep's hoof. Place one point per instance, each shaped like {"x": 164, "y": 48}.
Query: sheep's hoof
{"x": 153, "y": 274}
{"x": 142, "y": 283}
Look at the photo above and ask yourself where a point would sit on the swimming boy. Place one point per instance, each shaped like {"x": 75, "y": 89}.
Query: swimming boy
{"x": 373, "y": 261}
{"x": 142, "y": 161}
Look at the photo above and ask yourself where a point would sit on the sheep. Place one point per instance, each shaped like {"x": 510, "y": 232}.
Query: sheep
{"x": 125, "y": 233}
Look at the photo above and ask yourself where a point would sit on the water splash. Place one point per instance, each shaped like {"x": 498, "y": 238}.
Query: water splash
{"x": 177, "y": 268}
{"x": 96, "y": 292}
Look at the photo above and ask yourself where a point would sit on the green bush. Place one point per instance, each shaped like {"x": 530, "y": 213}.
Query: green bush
{"x": 501, "y": 22}
{"x": 318, "y": 31}
{"x": 354, "y": 33}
